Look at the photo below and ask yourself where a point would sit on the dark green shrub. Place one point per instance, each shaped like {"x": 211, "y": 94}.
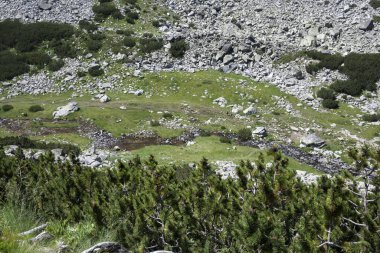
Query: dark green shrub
{"x": 326, "y": 94}
{"x": 95, "y": 71}
{"x": 94, "y": 45}
{"x": 56, "y": 65}
{"x": 375, "y": 4}
{"x": 349, "y": 87}
{"x": 244, "y": 134}
{"x": 105, "y": 1}
{"x": 36, "y": 108}
{"x": 330, "y": 104}
{"x": 11, "y": 65}
{"x": 88, "y": 26}
{"x": 154, "y": 123}
{"x": 81, "y": 74}
{"x": 131, "y": 2}
{"x": 64, "y": 49}
{"x": 224, "y": 139}
{"x": 97, "y": 36}
{"x": 328, "y": 61}
{"x": 132, "y": 15}
{"x": 312, "y": 68}
{"x": 117, "y": 15}
{"x": 204, "y": 133}
{"x": 130, "y": 21}
{"x": 26, "y": 37}
{"x": 167, "y": 115}
{"x": 36, "y": 58}
{"x": 7, "y": 108}
{"x": 178, "y": 48}
{"x": 129, "y": 42}
{"x": 156, "y": 23}
{"x": 363, "y": 70}
{"x": 127, "y": 32}
{"x": 149, "y": 45}
{"x": 104, "y": 10}
{"x": 371, "y": 117}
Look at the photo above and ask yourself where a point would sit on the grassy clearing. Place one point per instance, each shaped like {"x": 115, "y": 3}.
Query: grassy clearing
{"x": 209, "y": 147}
{"x": 189, "y": 97}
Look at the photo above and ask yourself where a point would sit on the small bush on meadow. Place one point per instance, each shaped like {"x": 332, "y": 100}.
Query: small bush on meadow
{"x": 36, "y": 108}
{"x": 7, "y": 108}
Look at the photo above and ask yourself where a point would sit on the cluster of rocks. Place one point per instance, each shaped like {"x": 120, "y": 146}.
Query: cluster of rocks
{"x": 66, "y": 11}
{"x": 95, "y": 158}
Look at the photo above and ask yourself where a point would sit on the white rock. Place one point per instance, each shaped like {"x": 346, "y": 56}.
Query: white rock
{"x": 65, "y": 110}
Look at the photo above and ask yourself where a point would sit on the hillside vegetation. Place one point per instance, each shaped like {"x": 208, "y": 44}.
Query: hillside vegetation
{"x": 146, "y": 206}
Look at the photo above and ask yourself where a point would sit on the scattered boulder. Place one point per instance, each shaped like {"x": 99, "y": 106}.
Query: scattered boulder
{"x": 221, "y": 101}
{"x": 366, "y": 25}
{"x": 44, "y": 5}
{"x": 104, "y": 99}
{"x": 259, "y": 131}
{"x": 312, "y": 140}
{"x": 110, "y": 247}
{"x": 138, "y": 92}
{"x": 236, "y": 109}
{"x": 250, "y": 110}
{"x": 63, "y": 111}
{"x": 10, "y": 150}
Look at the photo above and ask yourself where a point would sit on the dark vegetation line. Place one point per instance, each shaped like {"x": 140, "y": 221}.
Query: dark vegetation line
{"x": 150, "y": 207}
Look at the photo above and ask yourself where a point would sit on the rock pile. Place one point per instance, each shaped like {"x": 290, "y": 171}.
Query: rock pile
{"x": 66, "y": 11}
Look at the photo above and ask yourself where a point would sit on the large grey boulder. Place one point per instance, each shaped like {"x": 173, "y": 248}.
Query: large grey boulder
{"x": 63, "y": 111}
{"x": 44, "y": 5}
{"x": 104, "y": 99}
{"x": 259, "y": 131}
{"x": 366, "y": 25}
{"x": 312, "y": 140}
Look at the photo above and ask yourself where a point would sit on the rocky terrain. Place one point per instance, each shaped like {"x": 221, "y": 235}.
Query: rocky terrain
{"x": 67, "y": 11}
{"x": 246, "y": 37}
{"x": 251, "y": 38}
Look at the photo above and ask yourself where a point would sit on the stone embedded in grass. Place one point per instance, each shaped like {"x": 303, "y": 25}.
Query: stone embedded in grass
{"x": 104, "y": 98}
{"x": 63, "y": 111}
{"x": 138, "y": 92}
{"x": 221, "y": 101}
{"x": 312, "y": 140}
{"x": 250, "y": 110}
{"x": 259, "y": 131}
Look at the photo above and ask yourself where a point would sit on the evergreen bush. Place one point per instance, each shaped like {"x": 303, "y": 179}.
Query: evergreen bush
{"x": 95, "y": 71}
{"x": 36, "y": 108}
{"x": 330, "y": 104}
{"x": 178, "y": 48}
{"x": 56, "y": 65}
{"x": 148, "y": 45}
{"x": 7, "y": 108}
{"x": 244, "y": 134}
{"x": 326, "y": 94}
